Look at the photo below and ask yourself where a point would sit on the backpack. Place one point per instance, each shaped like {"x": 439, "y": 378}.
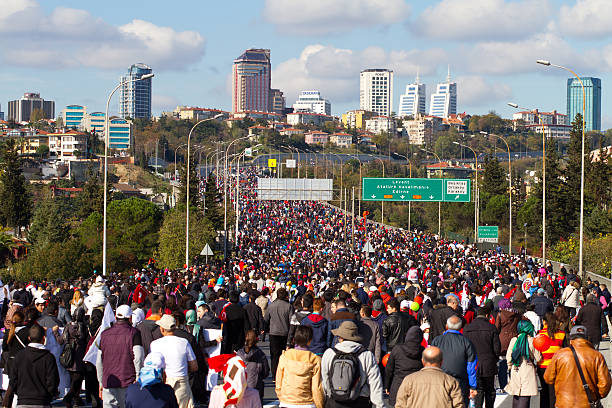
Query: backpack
{"x": 344, "y": 375}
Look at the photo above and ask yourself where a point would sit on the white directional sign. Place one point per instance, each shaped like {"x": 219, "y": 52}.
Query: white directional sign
{"x": 290, "y": 164}
{"x": 206, "y": 251}
{"x": 368, "y": 248}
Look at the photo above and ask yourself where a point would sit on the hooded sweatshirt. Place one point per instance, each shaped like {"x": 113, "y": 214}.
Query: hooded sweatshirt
{"x": 319, "y": 326}
{"x": 34, "y": 376}
{"x": 298, "y": 378}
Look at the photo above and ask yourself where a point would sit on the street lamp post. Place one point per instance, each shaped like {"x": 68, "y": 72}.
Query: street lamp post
{"x": 439, "y": 202}
{"x": 548, "y": 63}
{"x": 106, "y": 143}
{"x": 509, "y": 187}
{"x": 536, "y": 112}
{"x": 476, "y": 195}
{"x": 382, "y": 203}
{"x": 410, "y": 175}
{"x": 187, "y": 188}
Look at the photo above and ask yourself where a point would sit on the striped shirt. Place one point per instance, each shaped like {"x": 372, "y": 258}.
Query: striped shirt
{"x": 556, "y": 344}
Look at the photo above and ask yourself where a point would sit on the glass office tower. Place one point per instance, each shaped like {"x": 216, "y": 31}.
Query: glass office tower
{"x": 135, "y": 99}
{"x": 592, "y": 87}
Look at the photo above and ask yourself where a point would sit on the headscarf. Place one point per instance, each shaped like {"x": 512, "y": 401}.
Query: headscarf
{"x": 191, "y": 317}
{"x": 234, "y": 376}
{"x": 520, "y": 350}
{"x": 153, "y": 370}
{"x": 504, "y": 304}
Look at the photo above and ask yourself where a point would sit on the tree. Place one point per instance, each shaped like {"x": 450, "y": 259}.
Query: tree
{"x": 571, "y": 187}
{"x": 42, "y": 151}
{"x": 16, "y": 203}
{"x": 194, "y": 185}
{"x": 444, "y": 145}
{"x": 171, "y": 250}
{"x": 494, "y": 179}
{"x": 37, "y": 115}
{"x": 48, "y": 224}
{"x": 213, "y": 200}
{"x": 59, "y": 123}
{"x": 91, "y": 199}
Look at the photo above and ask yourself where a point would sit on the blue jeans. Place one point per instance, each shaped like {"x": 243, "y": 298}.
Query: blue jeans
{"x": 502, "y": 373}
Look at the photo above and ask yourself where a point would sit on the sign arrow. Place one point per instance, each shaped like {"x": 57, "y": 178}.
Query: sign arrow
{"x": 456, "y": 197}
{"x": 373, "y": 196}
{"x": 402, "y": 196}
{"x": 431, "y": 197}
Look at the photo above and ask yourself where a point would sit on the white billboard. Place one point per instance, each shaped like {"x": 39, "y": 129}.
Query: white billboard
{"x": 294, "y": 189}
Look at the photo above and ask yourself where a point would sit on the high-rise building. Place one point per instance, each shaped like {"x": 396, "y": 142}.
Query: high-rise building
{"x": 311, "y": 101}
{"x": 135, "y": 98}
{"x": 592, "y": 87}
{"x": 21, "y": 109}
{"x": 376, "y": 91}
{"x": 73, "y": 116}
{"x": 1, "y": 113}
{"x": 94, "y": 122}
{"x": 251, "y": 81}
{"x": 119, "y": 134}
{"x": 413, "y": 101}
{"x": 444, "y": 100}
{"x": 278, "y": 101}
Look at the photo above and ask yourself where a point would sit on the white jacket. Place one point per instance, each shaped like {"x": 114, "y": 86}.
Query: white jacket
{"x": 571, "y": 297}
{"x": 98, "y": 293}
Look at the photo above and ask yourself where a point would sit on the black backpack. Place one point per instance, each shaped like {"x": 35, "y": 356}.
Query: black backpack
{"x": 345, "y": 375}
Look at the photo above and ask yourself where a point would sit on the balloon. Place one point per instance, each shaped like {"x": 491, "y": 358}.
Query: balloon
{"x": 414, "y": 306}
{"x": 385, "y": 359}
{"x": 541, "y": 342}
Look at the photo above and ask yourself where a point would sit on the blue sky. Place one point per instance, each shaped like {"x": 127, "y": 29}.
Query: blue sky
{"x": 74, "y": 51}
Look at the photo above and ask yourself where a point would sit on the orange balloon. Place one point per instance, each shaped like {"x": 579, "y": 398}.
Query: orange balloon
{"x": 385, "y": 359}
{"x": 541, "y": 342}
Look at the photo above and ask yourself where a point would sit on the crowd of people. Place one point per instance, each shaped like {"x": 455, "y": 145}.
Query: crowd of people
{"x": 420, "y": 322}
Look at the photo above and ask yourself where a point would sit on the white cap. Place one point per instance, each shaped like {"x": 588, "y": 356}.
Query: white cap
{"x": 99, "y": 279}
{"x": 39, "y": 301}
{"x": 155, "y": 360}
{"x": 405, "y": 304}
{"x": 123, "y": 312}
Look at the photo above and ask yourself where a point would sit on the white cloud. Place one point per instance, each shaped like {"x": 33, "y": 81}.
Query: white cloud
{"x": 587, "y": 18}
{"x": 511, "y": 57}
{"x": 68, "y": 38}
{"x": 477, "y": 91}
{"x": 482, "y": 19}
{"x": 163, "y": 103}
{"x": 319, "y": 17}
{"x": 335, "y": 71}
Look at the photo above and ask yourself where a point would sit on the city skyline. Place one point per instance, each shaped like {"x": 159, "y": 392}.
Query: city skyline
{"x": 493, "y": 58}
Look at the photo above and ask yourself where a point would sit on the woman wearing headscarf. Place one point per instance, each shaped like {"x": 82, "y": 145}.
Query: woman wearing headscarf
{"x": 234, "y": 392}
{"x": 506, "y": 323}
{"x": 405, "y": 359}
{"x": 523, "y": 359}
{"x": 150, "y": 389}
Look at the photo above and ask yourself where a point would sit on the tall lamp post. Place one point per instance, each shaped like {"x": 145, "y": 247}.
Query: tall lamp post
{"x": 548, "y": 64}
{"x": 382, "y": 203}
{"x": 509, "y": 187}
{"x": 410, "y": 175}
{"x": 536, "y": 112}
{"x": 187, "y": 189}
{"x": 439, "y": 202}
{"x": 106, "y": 143}
{"x": 476, "y": 193}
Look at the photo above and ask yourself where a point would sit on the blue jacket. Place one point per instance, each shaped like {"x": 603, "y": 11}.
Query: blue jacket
{"x": 459, "y": 356}
{"x": 336, "y": 319}
{"x": 319, "y": 326}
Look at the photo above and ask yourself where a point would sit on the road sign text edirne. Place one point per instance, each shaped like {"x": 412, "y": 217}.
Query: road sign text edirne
{"x": 416, "y": 189}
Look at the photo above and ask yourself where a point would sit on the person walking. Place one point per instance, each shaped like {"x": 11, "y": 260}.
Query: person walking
{"x": 277, "y": 318}
{"x": 75, "y": 337}
{"x": 119, "y": 359}
{"x": 430, "y": 386}
{"x": 591, "y": 316}
{"x": 180, "y": 360}
{"x": 235, "y": 324}
{"x": 396, "y": 325}
{"x": 485, "y": 338}
{"x": 558, "y": 339}
{"x": 461, "y": 360}
{"x": 149, "y": 331}
{"x": 362, "y": 391}
{"x": 298, "y": 376}
{"x": 34, "y": 377}
{"x": 440, "y": 314}
{"x": 579, "y": 373}
{"x": 150, "y": 390}
{"x": 254, "y": 313}
{"x": 12, "y": 343}
{"x": 257, "y": 366}
{"x": 571, "y": 298}
{"x": 319, "y": 326}
{"x": 523, "y": 359}
{"x": 404, "y": 359}
{"x": 506, "y": 323}
{"x": 370, "y": 333}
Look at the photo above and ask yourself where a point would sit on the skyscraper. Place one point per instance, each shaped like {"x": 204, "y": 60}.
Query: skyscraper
{"x": 21, "y": 109}
{"x": 413, "y": 101}
{"x": 444, "y": 100}
{"x": 376, "y": 91}
{"x": 135, "y": 99}
{"x": 592, "y": 87}
{"x": 251, "y": 81}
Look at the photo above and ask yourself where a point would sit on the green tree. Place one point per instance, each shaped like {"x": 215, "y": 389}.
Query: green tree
{"x": 214, "y": 202}
{"x": 571, "y": 187}
{"x": 444, "y": 145}
{"x": 171, "y": 250}
{"x": 16, "y": 203}
{"x": 496, "y": 211}
{"x": 42, "y": 151}
{"x": 194, "y": 182}
{"x": 91, "y": 199}
{"x": 494, "y": 180}
{"x": 37, "y": 115}
{"x": 48, "y": 224}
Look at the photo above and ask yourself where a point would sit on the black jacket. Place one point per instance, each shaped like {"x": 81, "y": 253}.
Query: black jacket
{"x": 34, "y": 377}
{"x": 234, "y": 328}
{"x": 395, "y": 327}
{"x": 437, "y": 320}
{"x": 542, "y": 305}
{"x": 405, "y": 359}
{"x": 590, "y": 316}
{"x": 255, "y": 317}
{"x": 485, "y": 338}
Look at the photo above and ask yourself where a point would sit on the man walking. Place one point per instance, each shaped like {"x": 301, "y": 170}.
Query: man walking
{"x": 564, "y": 373}
{"x": 460, "y": 361}
{"x": 591, "y": 316}
{"x": 34, "y": 377}
{"x": 431, "y": 386}
{"x": 485, "y": 338}
{"x": 277, "y": 318}
{"x": 119, "y": 359}
{"x": 396, "y": 325}
{"x": 180, "y": 360}
{"x": 440, "y": 315}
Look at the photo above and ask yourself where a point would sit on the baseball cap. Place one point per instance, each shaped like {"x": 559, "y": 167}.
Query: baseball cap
{"x": 39, "y": 301}
{"x": 167, "y": 322}
{"x": 405, "y": 304}
{"x": 123, "y": 312}
{"x": 200, "y": 303}
{"x": 578, "y": 331}
{"x": 378, "y": 305}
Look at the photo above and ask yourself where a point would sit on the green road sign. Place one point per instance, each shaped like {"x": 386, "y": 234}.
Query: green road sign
{"x": 488, "y": 233}
{"x": 416, "y": 189}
